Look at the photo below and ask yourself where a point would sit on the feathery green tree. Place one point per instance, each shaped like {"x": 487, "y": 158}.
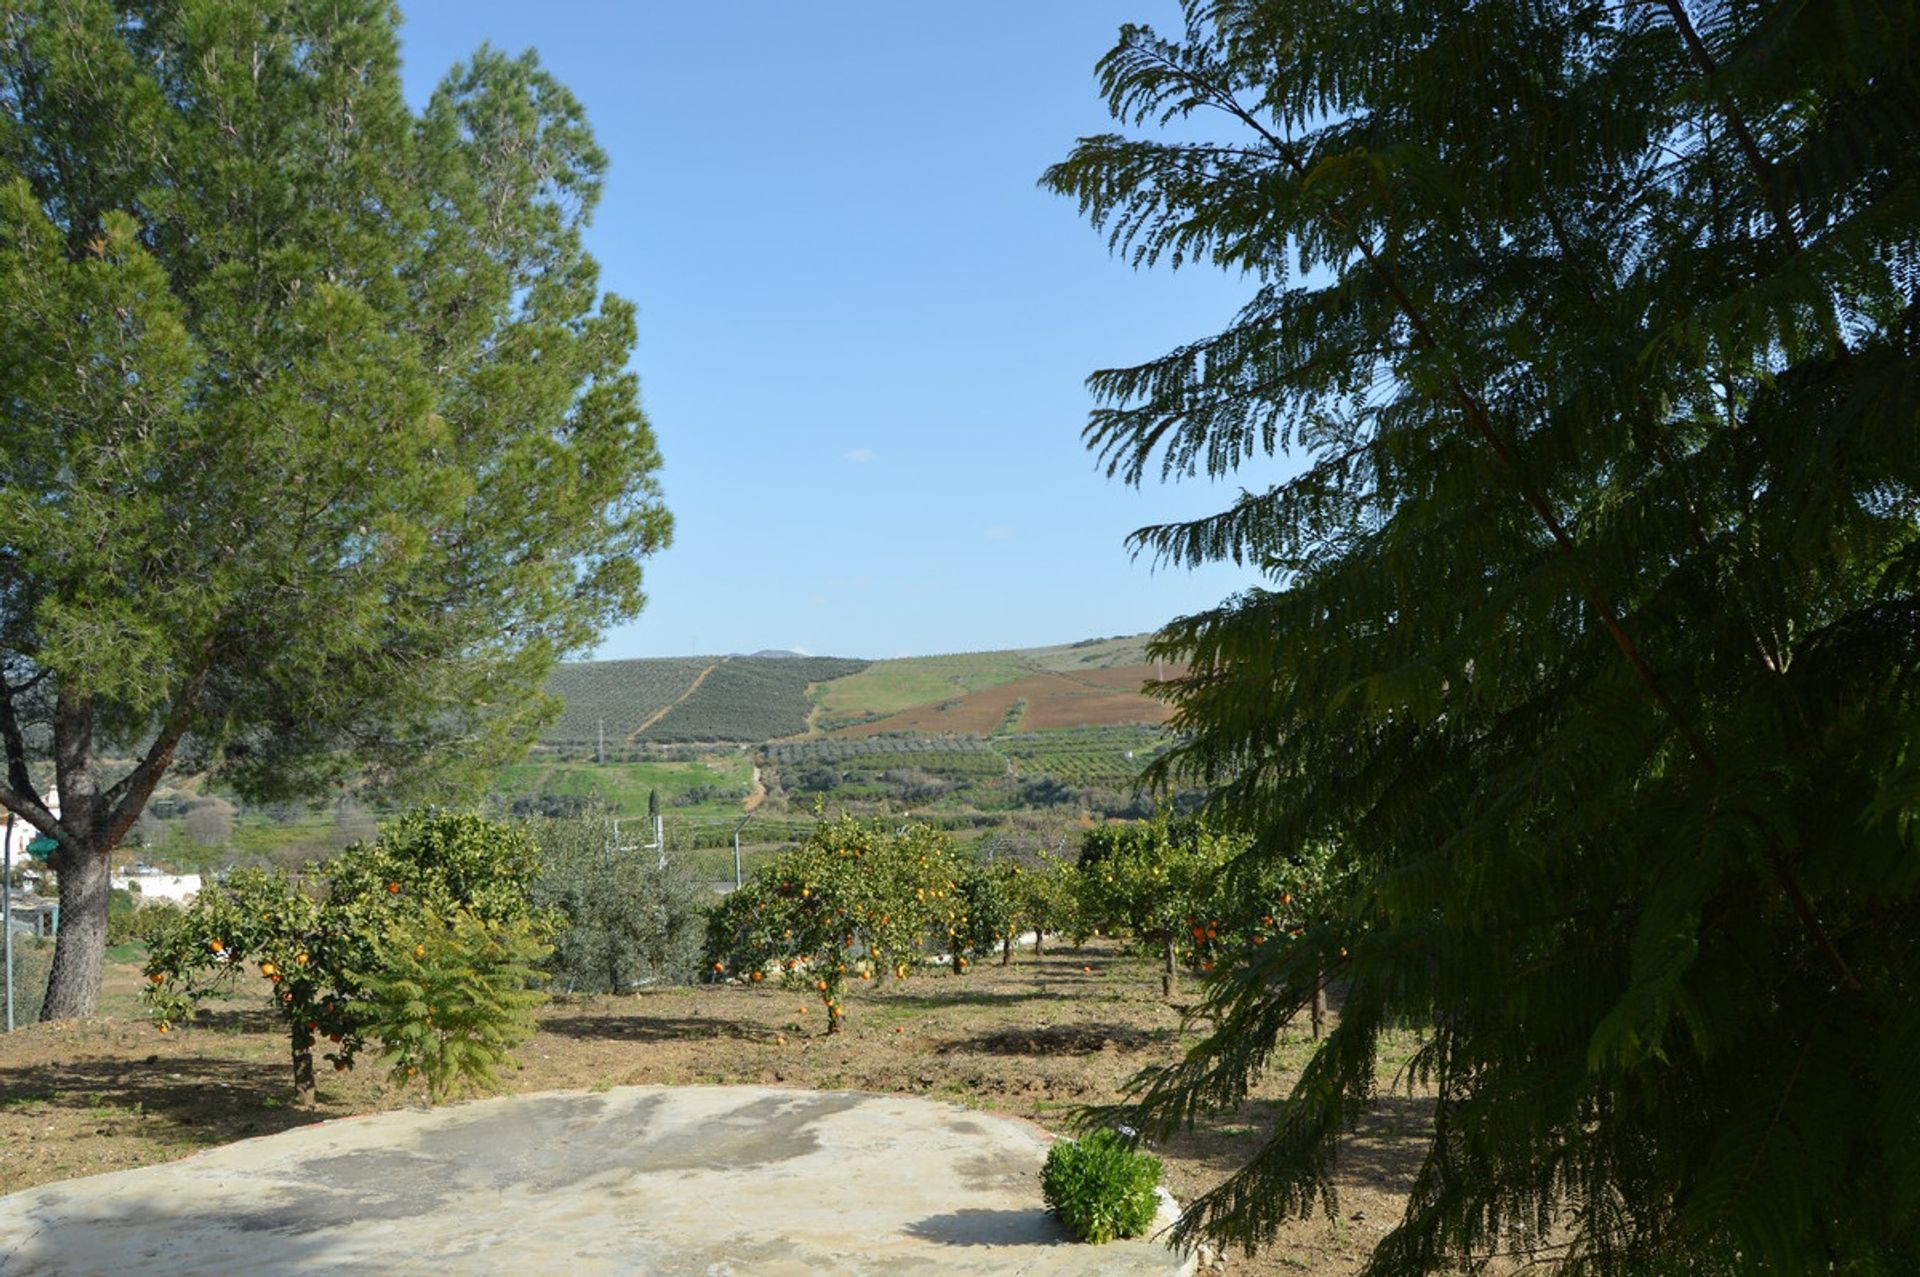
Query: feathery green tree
{"x": 320, "y": 444}
{"x": 1589, "y": 628}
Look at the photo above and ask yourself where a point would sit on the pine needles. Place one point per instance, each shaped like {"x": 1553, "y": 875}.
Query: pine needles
{"x": 1590, "y": 628}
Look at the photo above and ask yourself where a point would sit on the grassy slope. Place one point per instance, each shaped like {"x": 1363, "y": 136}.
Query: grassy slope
{"x": 922, "y": 682}
{"x": 624, "y": 786}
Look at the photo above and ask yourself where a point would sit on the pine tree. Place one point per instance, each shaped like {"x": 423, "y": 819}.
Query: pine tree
{"x": 318, "y": 446}
{"x": 1589, "y": 629}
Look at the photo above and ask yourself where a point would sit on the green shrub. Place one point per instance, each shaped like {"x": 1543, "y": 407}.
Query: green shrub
{"x": 450, "y": 999}
{"x": 625, "y": 919}
{"x": 315, "y": 946}
{"x": 1100, "y": 1188}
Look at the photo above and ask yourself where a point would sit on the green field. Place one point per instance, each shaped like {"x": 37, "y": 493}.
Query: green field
{"x": 624, "y": 786}
{"x": 886, "y": 687}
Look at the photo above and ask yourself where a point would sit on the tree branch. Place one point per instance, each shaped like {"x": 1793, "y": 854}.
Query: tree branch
{"x": 1482, "y": 423}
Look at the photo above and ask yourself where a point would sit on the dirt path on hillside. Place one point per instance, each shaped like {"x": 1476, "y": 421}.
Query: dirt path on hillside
{"x": 633, "y": 737}
{"x": 756, "y": 795}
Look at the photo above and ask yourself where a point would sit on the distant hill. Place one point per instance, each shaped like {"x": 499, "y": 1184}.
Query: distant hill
{"x": 778, "y": 694}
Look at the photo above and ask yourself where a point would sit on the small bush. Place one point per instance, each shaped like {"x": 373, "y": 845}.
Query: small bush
{"x": 449, "y": 999}
{"x": 1100, "y": 1188}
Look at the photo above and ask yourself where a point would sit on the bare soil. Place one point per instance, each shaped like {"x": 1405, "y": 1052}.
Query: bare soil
{"x": 1035, "y": 1040}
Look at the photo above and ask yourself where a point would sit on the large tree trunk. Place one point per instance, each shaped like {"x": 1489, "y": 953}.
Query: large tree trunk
{"x": 91, "y": 825}
{"x": 73, "y": 987}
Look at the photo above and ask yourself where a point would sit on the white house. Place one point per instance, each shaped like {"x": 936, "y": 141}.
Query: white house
{"x": 22, "y": 832}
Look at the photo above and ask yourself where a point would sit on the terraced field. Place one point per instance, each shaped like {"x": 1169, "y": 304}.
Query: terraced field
{"x": 616, "y": 695}
{"x": 1090, "y": 698}
{"x": 749, "y": 699}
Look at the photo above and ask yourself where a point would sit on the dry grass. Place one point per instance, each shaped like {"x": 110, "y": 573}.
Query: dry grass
{"x": 1033, "y": 1040}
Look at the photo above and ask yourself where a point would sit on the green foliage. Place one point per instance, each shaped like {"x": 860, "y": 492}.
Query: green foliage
{"x": 449, "y": 999}
{"x": 322, "y": 444}
{"x": 315, "y": 953}
{"x": 1156, "y": 879}
{"x": 748, "y": 698}
{"x": 1589, "y": 626}
{"x": 1101, "y": 1188}
{"x": 854, "y": 900}
{"x": 617, "y": 696}
{"x": 989, "y": 907}
{"x": 626, "y": 919}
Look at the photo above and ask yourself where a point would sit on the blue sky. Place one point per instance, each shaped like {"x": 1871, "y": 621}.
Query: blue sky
{"x": 863, "y": 329}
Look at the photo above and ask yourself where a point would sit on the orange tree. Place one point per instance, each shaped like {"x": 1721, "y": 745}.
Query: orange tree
{"x": 1003, "y": 897}
{"x": 855, "y": 900}
{"x": 325, "y": 949}
{"x": 1045, "y": 899}
{"x": 1157, "y": 880}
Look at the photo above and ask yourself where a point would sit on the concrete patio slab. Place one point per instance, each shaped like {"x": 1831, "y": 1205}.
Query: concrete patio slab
{"x": 710, "y": 1181}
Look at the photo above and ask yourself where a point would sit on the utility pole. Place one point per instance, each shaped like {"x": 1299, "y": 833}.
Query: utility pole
{"x": 737, "y": 880}
{"x": 600, "y": 755}
{"x": 6, "y": 915}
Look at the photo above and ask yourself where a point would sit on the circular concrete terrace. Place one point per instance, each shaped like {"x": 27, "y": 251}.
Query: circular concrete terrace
{"x": 738, "y": 1181}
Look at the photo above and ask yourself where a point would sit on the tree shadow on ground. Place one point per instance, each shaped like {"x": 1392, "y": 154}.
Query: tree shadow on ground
{"x": 991, "y": 1228}
{"x": 962, "y": 997}
{"x": 232, "y": 1019}
{"x": 205, "y": 1101}
{"x": 654, "y": 1028}
{"x": 1383, "y": 1150}
{"x": 1059, "y": 1039}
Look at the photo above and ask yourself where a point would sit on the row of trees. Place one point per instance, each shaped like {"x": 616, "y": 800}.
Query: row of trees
{"x": 432, "y": 941}
{"x": 861, "y": 901}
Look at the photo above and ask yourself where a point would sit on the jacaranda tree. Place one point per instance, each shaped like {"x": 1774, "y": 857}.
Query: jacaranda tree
{"x": 320, "y": 446}
{"x": 1588, "y": 628}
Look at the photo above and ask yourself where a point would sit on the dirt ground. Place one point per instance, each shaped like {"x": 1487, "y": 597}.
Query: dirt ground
{"x": 1033, "y": 1040}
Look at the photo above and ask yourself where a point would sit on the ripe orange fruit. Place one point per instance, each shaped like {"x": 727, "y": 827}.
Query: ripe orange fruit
{"x": 275, "y": 977}
{"x": 216, "y": 946}
{"x": 339, "y": 1066}
{"x": 267, "y": 968}
{"x": 755, "y": 977}
{"x": 157, "y": 978}
{"x": 820, "y": 985}
{"x": 898, "y": 1029}
{"x": 333, "y": 1037}
{"x": 803, "y": 1008}
{"x": 300, "y": 959}
{"x": 393, "y": 888}
{"x": 165, "y": 1027}
{"x": 1087, "y": 970}
{"x": 419, "y": 951}
{"x": 719, "y": 966}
